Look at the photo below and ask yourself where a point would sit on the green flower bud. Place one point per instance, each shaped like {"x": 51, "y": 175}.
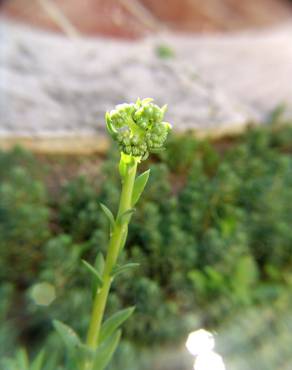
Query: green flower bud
{"x": 138, "y": 128}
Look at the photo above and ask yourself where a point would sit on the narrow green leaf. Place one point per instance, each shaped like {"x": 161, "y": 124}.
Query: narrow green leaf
{"x": 22, "y": 359}
{"x": 139, "y": 186}
{"x": 128, "y": 266}
{"x": 94, "y": 272}
{"x": 105, "y": 351}
{"x": 114, "y": 322}
{"x": 85, "y": 353}
{"x": 124, "y": 238}
{"x": 38, "y": 361}
{"x": 109, "y": 215}
{"x": 164, "y": 108}
{"x": 9, "y": 364}
{"x": 68, "y": 335}
{"x": 99, "y": 263}
{"x": 110, "y": 127}
{"x": 99, "y": 267}
{"x": 124, "y": 218}
{"x": 146, "y": 100}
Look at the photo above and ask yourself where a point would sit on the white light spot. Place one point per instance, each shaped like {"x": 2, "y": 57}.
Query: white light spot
{"x": 209, "y": 361}
{"x": 201, "y": 343}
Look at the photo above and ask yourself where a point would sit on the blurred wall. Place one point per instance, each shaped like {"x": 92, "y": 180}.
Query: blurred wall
{"x": 132, "y": 18}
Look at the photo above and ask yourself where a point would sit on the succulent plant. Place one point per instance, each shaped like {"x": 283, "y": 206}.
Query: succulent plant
{"x": 138, "y": 128}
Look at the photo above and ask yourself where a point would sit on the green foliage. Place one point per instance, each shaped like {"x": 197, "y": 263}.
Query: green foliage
{"x": 106, "y": 350}
{"x": 164, "y": 51}
{"x": 114, "y": 322}
{"x": 139, "y": 186}
{"x": 21, "y": 361}
{"x": 24, "y": 217}
{"x": 213, "y": 226}
{"x": 96, "y": 275}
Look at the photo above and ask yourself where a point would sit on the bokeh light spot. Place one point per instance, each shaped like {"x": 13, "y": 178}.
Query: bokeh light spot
{"x": 43, "y": 294}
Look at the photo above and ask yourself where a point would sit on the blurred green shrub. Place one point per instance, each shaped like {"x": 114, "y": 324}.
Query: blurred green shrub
{"x": 24, "y": 218}
{"x": 214, "y": 226}
{"x": 164, "y": 51}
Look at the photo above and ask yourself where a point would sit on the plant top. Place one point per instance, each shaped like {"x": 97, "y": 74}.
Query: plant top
{"x": 138, "y": 127}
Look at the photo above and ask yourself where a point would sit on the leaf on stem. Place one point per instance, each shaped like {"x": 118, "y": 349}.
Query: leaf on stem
{"x": 68, "y": 335}
{"x": 109, "y": 215}
{"x": 114, "y": 322}
{"x": 85, "y": 353}
{"x": 99, "y": 267}
{"x": 110, "y": 127}
{"x": 99, "y": 263}
{"x": 94, "y": 272}
{"x": 120, "y": 269}
{"x": 105, "y": 351}
{"x": 139, "y": 186}
{"x": 124, "y": 239}
{"x": 77, "y": 351}
{"x": 124, "y": 218}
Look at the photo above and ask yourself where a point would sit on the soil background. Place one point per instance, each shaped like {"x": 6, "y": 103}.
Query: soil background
{"x": 135, "y": 18}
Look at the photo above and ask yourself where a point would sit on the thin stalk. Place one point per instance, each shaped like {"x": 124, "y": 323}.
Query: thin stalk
{"x": 114, "y": 248}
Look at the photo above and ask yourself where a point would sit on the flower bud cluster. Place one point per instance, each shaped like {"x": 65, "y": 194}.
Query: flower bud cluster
{"x": 138, "y": 128}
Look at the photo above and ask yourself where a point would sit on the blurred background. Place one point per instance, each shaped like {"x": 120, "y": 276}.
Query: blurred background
{"x": 213, "y": 232}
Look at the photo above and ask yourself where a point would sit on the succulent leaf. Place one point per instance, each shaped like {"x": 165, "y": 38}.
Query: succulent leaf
{"x": 105, "y": 351}
{"x": 114, "y": 322}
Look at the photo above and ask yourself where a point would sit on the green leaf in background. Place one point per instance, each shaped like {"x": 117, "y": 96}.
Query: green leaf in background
{"x": 164, "y": 51}
{"x": 276, "y": 114}
{"x": 22, "y": 359}
{"x": 68, "y": 335}
{"x": 245, "y": 275}
{"x": 124, "y": 268}
{"x": 139, "y": 186}
{"x": 114, "y": 322}
{"x": 94, "y": 272}
{"x": 20, "y": 362}
{"x": 9, "y": 364}
{"x": 38, "y": 361}
{"x": 105, "y": 351}
{"x": 198, "y": 280}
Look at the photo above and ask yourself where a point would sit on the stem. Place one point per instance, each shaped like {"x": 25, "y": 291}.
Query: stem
{"x": 114, "y": 248}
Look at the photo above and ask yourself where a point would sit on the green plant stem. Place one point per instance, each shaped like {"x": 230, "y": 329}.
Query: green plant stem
{"x": 115, "y": 244}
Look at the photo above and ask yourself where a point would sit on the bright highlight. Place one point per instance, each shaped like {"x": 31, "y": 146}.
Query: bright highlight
{"x": 201, "y": 343}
